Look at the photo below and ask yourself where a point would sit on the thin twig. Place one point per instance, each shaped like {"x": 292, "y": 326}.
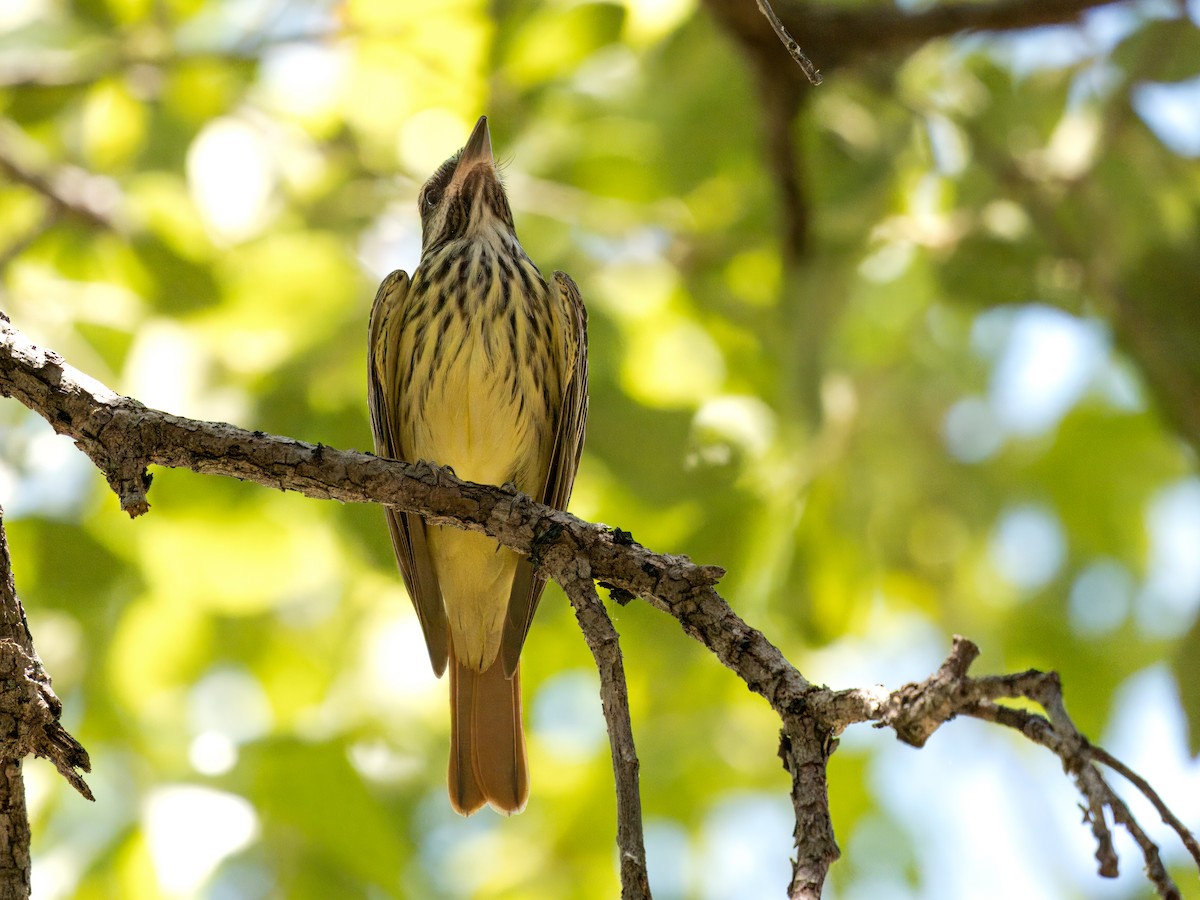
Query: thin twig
{"x": 917, "y": 710}
{"x": 603, "y": 641}
{"x": 806, "y": 65}
{"x": 1078, "y": 758}
{"x": 1155, "y": 870}
{"x": 1189, "y": 840}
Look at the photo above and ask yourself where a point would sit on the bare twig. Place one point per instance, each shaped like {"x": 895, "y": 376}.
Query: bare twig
{"x": 1189, "y": 840}
{"x": 811, "y": 72}
{"x": 1078, "y": 756}
{"x": 122, "y": 437}
{"x": 602, "y": 640}
{"x": 1155, "y": 870}
{"x": 915, "y": 711}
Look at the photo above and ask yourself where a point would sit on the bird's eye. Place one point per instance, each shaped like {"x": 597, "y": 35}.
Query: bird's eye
{"x": 431, "y": 200}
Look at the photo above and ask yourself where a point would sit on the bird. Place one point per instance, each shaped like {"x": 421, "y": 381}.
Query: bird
{"x": 477, "y": 363}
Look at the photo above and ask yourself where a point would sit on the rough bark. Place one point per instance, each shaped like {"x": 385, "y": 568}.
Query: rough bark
{"x": 123, "y": 437}
{"x": 29, "y": 713}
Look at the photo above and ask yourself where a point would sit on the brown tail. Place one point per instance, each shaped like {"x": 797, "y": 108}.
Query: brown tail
{"x": 487, "y": 744}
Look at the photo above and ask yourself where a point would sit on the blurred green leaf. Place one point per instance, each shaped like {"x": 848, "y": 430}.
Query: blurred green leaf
{"x": 551, "y": 43}
{"x": 1185, "y": 665}
{"x": 1161, "y": 50}
{"x": 317, "y": 813}
{"x": 833, "y": 423}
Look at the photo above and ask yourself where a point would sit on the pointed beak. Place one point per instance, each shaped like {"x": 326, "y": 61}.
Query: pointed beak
{"x": 478, "y": 148}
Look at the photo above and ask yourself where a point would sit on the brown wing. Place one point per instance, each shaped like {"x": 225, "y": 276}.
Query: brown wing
{"x": 408, "y": 531}
{"x": 564, "y": 460}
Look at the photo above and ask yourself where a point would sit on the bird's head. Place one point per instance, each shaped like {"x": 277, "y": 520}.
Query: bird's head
{"x": 464, "y": 197}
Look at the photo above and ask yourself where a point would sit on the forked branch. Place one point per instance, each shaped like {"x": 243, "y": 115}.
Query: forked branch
{"x": 123, "y": 437}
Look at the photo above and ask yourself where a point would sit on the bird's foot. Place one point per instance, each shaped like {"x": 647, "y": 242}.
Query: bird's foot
{"x": 516, "y": 497}
{"x": 428, "y": 472}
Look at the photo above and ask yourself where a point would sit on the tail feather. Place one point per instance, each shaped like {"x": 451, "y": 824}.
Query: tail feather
{"x": 487, "y": 743}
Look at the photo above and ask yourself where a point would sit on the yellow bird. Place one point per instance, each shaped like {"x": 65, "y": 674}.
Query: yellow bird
{"x": 480, "y": 364}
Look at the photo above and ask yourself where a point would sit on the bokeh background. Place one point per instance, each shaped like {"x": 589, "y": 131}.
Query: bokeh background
{"x": 912, "y": 353}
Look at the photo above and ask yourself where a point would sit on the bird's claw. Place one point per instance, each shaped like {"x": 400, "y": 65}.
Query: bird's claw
{"x": 428, "y": 472}
{"x": 516, "y": 496}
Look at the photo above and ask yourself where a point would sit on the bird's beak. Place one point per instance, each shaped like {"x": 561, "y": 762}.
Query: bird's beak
{"x": 478, "y": 148}
{"x": 476, "y": 153}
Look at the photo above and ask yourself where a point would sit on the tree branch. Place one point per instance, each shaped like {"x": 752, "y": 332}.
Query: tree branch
{"x": 25, "y": 691}
{"x": 805, "y": 744}
{"x": 66, "y": 189}
{"x": 46, "y": 68}
{"x": 837, "y": 34}
{"x": 605, "y": 645}
{"x": 123, "y": 437}
{"x": 1189, "y": 840}
{"x": 916, "y": 711}
{"x": 29, "y": 713}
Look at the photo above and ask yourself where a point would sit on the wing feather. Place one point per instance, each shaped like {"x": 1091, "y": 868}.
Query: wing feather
{"x": 564, "y": 458}
{"x": 407, "y": 530}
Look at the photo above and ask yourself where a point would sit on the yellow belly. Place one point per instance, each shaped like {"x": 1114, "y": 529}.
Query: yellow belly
{"x": 474, "y": 421}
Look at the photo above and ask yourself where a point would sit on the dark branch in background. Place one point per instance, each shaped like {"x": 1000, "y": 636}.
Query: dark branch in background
{"x": 1142, "y": 298}
{"x": 59, "y": 69}
{"x": 839, "y": 35}
{"x": 780, "y": 105}
{"x": 1158, "y": 329}
{"x": 67, "y": 190}
{"x": 123, "y": 437}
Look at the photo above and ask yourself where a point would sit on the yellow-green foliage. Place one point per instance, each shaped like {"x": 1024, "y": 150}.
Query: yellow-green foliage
{"x": 850, "y": 437}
